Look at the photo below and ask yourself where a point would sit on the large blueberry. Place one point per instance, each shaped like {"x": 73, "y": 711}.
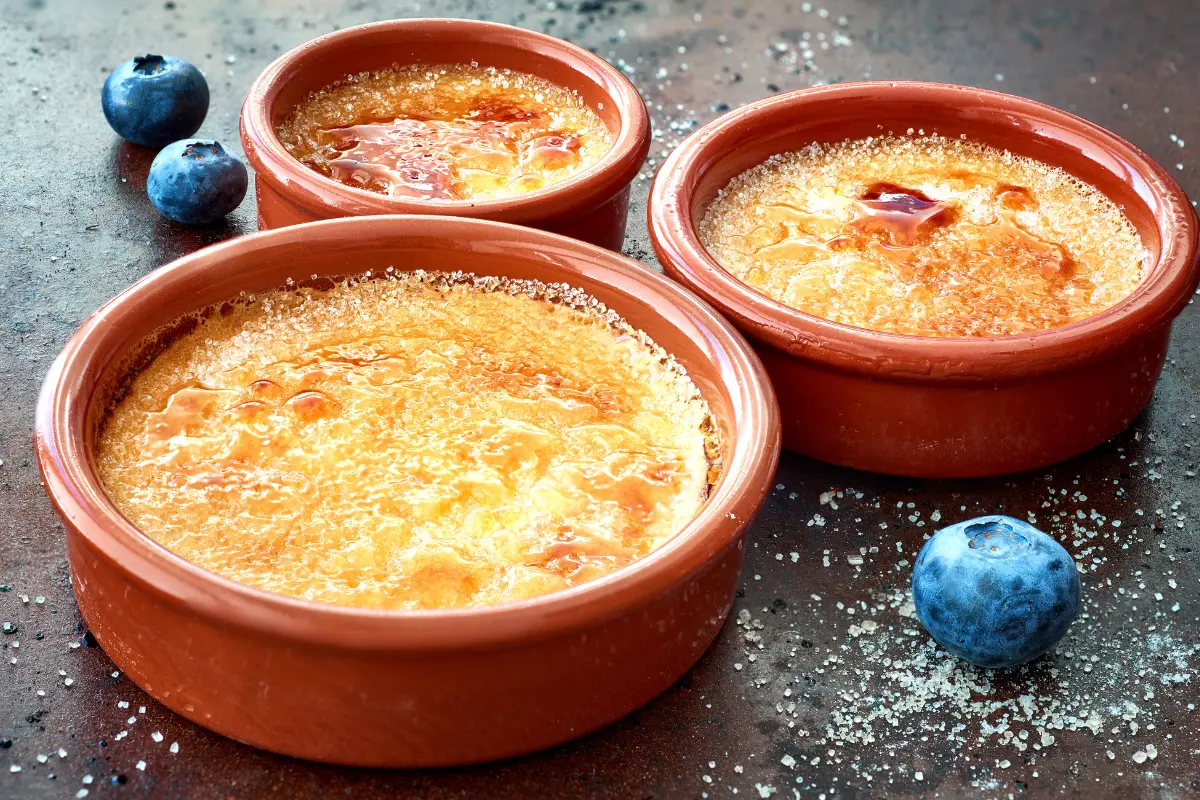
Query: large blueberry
{"x": 195, "y": 181}
{"x": 995, "y": 591}
{"x": 154, "y": 100}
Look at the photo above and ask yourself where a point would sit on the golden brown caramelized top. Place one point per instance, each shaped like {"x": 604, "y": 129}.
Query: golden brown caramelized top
{"x": 925, "y": 235}
{"x": 411, "y": 442}
{"x": 445, "y": 132}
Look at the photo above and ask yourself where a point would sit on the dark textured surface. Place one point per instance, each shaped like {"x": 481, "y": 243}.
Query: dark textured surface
{"x": 874, "y": 703}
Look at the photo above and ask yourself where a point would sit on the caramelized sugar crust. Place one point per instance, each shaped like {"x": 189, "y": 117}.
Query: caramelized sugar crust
{"x": 925, "y": 235}
{"x": 453, "y": 132}
{"x": 411, "y": 442}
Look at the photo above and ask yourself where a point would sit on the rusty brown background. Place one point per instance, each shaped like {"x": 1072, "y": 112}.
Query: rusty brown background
{"x": 77, "y": 228}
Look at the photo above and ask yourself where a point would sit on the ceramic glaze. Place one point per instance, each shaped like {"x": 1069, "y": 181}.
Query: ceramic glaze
{"x": 589, "y": 203}
{"x": 939, "y": 406}
{"x": 532, "y": 673}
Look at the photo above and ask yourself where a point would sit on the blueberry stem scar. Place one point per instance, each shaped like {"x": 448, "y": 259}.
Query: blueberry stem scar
{"x": 148, "y": 64}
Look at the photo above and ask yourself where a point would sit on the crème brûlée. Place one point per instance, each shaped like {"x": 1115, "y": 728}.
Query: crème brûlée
{"x": 446, "y": 132}
{"x": 411, "y": 441}
{"x": 925, "y": 235}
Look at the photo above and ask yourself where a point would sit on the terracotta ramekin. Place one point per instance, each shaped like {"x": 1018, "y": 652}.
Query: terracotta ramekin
{"x": 400, "y": 689}
{"x": 935, "y": 407}
{"x": 591, "y": 205}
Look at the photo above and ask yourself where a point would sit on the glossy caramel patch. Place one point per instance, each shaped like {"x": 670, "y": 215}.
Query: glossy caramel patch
{"x": 411, "y": 442}
{"x": 925, "y": 235}
{"x": 454, "y": 132}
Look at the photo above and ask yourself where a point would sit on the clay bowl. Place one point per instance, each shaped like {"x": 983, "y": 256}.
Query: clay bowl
{"x": 591, "y": 205}
{"x": 400, "y": 689}
{"x": 934, "y": 407}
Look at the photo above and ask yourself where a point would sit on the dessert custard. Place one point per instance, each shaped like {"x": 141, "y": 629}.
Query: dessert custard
{"x": 411, "y": 441}
{"x": 445, "y": 132}
{"x": 925, "y": 235}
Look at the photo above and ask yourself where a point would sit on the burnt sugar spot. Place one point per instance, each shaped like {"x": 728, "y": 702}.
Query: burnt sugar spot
{"x": 312, "y": 405}
{"x": 900, "y": 214}
{"x": 497, "y": 110}
{"x": 1015, "y": 198}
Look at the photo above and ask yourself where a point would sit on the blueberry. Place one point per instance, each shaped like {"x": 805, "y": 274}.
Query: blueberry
{"x": 154, "y": 100}
{"x": 195, "y": 181}
{"x": 995, "y": 591}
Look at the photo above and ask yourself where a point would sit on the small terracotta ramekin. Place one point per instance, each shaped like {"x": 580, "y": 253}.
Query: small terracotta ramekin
{"x": 939, "y": 407}
{"x": 400, "y": 688}
{"x": 591, "y": 205}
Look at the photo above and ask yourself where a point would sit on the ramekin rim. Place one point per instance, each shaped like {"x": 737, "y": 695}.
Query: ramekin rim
{"x": 1160, "y": 296}
{"x": 78, "y": 495}
{"x": 588, "y": 188}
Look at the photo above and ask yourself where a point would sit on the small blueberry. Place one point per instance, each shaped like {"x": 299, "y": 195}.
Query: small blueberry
{"x": 195, "y": 181}
{"x": 153, "y": 100}
{"x": 995, "y": 591}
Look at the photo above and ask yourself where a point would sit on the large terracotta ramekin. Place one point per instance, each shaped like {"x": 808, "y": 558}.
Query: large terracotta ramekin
{"x": 937, "y": 407}
{"x": 591, "y": 205}
{"x": 401, "y": 689}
